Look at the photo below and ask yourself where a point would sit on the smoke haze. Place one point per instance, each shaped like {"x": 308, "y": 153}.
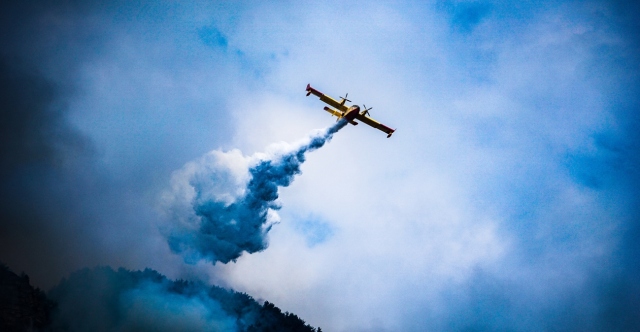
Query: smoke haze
{"x": 102, "y": 299}
{"x": 225, "y": 203}
{"x": 507, "y": 200}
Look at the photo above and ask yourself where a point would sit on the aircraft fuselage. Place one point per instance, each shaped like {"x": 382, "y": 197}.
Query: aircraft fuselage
{"x": 351, "y": 114}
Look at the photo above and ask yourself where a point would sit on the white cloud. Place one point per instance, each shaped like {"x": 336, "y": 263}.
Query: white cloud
{"x": 407, "y": 212}
{"x": 473, "y": 176}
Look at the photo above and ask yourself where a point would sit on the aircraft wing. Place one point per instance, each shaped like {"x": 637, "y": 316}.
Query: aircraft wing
{"x": 328, "y": 100}
{"x": 375, "y": 124}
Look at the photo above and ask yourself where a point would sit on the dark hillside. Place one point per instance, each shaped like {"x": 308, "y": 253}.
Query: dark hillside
{"x": 103, "y": 299}
{"x": 22, "y": 307}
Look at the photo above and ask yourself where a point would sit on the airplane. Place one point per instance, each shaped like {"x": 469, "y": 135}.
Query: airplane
{"x": 349, "y": 113}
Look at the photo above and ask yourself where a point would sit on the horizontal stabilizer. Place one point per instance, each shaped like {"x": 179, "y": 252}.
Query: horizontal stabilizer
{"x": 333, "y": 112}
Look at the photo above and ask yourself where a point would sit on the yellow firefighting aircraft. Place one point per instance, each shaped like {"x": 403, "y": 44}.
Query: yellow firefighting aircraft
{"x": 349, "y": 113}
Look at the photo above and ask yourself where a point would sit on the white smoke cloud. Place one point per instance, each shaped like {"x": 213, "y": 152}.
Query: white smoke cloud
{"x": 224, "y": 203}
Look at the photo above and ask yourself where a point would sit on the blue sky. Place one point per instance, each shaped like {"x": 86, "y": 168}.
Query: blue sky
{"x": 505, "y": 200}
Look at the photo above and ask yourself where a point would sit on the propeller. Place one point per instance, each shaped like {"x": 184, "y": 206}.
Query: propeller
{"x": 345, "y": 97}
{"x": 366, "y": 110}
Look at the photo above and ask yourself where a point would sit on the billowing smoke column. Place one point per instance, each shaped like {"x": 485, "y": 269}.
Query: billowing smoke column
{"x": 225, "y": 203}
